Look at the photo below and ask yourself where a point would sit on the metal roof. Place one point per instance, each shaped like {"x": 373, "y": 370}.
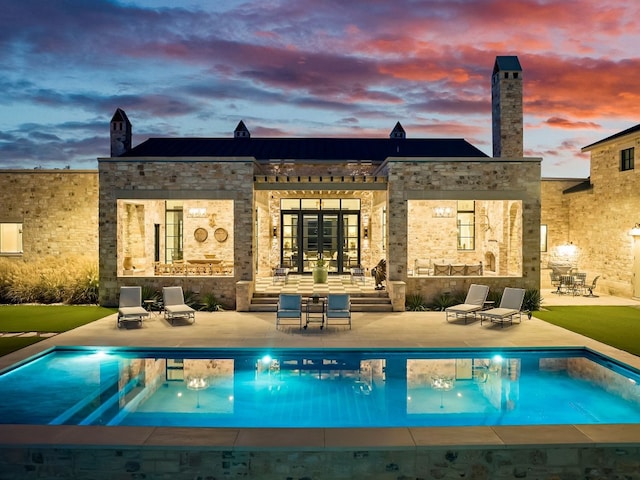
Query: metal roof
{"x": 613, "y": 137}
{"x": 263, "y": 149}
{"x": 510, "y": 63}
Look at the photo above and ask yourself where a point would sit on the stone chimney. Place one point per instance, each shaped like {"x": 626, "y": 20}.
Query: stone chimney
{"x": 506, "y": 107}
{"x": 120, "y": 133}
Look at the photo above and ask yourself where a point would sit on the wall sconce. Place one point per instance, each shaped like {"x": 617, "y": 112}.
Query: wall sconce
{"x": 197, "y": 212}
{"x": 365, "y": 227}
{"x": 635, "y": 231}
{"x": 442, "y": 212}
{"x": 275, "y": 232}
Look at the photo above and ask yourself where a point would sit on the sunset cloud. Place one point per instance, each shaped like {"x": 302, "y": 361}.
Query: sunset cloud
{"x": 311, "y": 68}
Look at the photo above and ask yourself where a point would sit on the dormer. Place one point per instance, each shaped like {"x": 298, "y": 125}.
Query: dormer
{"x": 241, "y": 131}
{"x": 398, "y": 132}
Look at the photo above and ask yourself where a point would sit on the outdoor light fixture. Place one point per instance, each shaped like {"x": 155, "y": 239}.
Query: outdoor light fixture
{"x": 567, "y": 250}
{"x": 197, "y": 212}
{"x": 442, "y": 212}
{"x": 635, "y": 231}
{"x": 365, "y": 227}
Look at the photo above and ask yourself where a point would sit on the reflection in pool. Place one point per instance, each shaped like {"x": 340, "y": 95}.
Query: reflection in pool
{"x": 319, "y": 388}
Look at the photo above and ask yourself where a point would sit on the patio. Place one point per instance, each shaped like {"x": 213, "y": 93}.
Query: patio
{"x": 407, "y": 329}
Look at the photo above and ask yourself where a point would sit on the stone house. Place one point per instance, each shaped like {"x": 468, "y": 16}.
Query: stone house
{"x": 590, "y": 222}
{"x": 216, "y": 214}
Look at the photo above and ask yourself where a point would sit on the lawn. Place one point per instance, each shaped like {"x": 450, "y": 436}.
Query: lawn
{"x": 43, "y": 318}
{"x": 615, "y": 326}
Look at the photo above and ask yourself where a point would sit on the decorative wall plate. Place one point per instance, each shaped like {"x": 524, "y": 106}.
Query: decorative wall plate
{"x": 200, "y": 234}
{"x": 220, "y": 234}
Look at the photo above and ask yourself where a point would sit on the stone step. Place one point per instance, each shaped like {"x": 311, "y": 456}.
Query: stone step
{"x": 361, "y": 302}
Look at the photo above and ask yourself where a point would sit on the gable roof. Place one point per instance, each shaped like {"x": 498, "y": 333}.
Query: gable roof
{"x": 612, "y": 137}
{"x": 262, "y": 149}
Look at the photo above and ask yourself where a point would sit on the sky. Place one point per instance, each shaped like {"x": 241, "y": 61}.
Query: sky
{"x": 311, "y": 68}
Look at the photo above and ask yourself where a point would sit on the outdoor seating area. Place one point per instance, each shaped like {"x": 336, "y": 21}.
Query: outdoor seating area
{"x": 474, "y": 302}
{"x": 510, "y": 307}
{"x": 175, "y": 306}
{"x": 447, "y": 268}
{"x": 572, "y": 283}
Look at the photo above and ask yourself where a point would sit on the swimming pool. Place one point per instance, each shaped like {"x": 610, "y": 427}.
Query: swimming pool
{"x": 319, "y": 388}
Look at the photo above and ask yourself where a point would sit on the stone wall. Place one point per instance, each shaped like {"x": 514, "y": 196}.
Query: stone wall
{"x": 58, "y": 210}
{"x": 475, "y": 462}
{"x": 514, "y": 181}
{"x": 174, "y": 179}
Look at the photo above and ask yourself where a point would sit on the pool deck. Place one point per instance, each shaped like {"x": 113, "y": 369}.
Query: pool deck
{"x": 370, "y": 330}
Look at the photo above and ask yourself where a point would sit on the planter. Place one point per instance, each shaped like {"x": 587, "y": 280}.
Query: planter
{"x": 320, "y": 274}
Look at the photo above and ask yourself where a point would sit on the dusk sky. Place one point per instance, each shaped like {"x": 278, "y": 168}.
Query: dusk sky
{"x": 318, "y": 68}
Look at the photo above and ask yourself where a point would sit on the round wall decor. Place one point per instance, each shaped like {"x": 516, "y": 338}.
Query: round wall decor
{"x": 200, "y": 234}
{"x": 221, "y": 234}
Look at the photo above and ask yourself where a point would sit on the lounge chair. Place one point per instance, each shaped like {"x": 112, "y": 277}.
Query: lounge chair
{"x": 473, "y": 303}
{"x": 130, "y": 306}
{"x": 510, "y": 306}
{"x": 289, "y": 308}
{"x": 339, "y": 308}
{"x": 174, "y": 306}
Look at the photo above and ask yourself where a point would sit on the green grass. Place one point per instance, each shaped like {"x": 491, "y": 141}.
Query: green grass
{"x": 615, "y": 326}
{"x": 43, "y": 318}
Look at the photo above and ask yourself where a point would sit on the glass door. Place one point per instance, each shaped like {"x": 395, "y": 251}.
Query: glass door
{"x": 351, "y": 243}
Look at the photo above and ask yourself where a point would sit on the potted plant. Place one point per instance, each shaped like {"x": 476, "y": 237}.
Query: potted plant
{"x": 320, "y": 272}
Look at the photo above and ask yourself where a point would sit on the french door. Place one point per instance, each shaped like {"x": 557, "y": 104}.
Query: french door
{"x": 308, "y": 236}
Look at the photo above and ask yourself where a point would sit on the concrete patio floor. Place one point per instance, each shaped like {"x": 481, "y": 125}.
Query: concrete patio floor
{"x": 375, "y": 330}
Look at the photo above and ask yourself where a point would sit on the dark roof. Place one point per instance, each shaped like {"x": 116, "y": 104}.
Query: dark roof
{"x": 368, "y": 149}
{"x": 580, "y": 187}
{"x": 613, "y": 137}
{"x": 120, "y": 116}
{"x": 510, "y": 63}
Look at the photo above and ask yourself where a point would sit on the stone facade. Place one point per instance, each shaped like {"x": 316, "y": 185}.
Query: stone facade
{"x": 158, "y": 179}
{"x": 596, "y": 215}
{"x": 57, "y": 210}
{"x": 436, "y": 463}
{"x": 514, "y": 183}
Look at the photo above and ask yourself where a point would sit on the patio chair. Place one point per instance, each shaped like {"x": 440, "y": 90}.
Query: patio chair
{"x": 130, "y": 306}
{"x": 357, "y": 275}
{"x": 174, "y": 306}
{"x": 592, "y": 287}
{"x": 510, "y": 306}
{"x": 338, "y": 308}
{"x": 280, "y": 275}
{"x": 555, "y": 281}
{"x": 289, "y": 308}
{"x": 473, "y": 303}
{"x": 441, "y": 269}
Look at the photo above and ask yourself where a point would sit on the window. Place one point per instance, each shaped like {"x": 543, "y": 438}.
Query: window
{"x": 626, "y": 159}
{"x": 10, "y": 238}
{"x": 466, "y": 221}
{"x": 543, "y": 238}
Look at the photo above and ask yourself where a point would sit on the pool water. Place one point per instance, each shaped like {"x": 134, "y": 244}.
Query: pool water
{"x": 319, "y": 388}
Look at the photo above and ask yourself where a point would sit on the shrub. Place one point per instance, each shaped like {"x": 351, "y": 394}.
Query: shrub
{"x": 532, "y": 300}
{"x": 415, "y": 303}
{"x": 49, "y": 280}
{"x": 211, "y": 304}
{"x": 443, "y": 301}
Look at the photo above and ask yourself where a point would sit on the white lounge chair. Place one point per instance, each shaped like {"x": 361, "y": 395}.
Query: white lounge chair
{"x": 289, "y": 308}
{"x": 473, "y": 303}
{"x": 510, "y": 306}
{"x": 174, "y": 306}
{"x": 338, "y": 308}
{"x": 130, "y": 306}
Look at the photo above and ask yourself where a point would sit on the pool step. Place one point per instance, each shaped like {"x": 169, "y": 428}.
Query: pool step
{"x": 360, "y": 302}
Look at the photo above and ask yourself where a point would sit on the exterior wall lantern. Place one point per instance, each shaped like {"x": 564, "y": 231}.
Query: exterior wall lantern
{"x": 635, "y": 231}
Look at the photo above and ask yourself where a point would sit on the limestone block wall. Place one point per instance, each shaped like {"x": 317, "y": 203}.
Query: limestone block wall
{"x": 440, "y": 461}
{"x": 471, "y": 179}
{"x": 58, "y": 210}
{"x": 167, "y": 179}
